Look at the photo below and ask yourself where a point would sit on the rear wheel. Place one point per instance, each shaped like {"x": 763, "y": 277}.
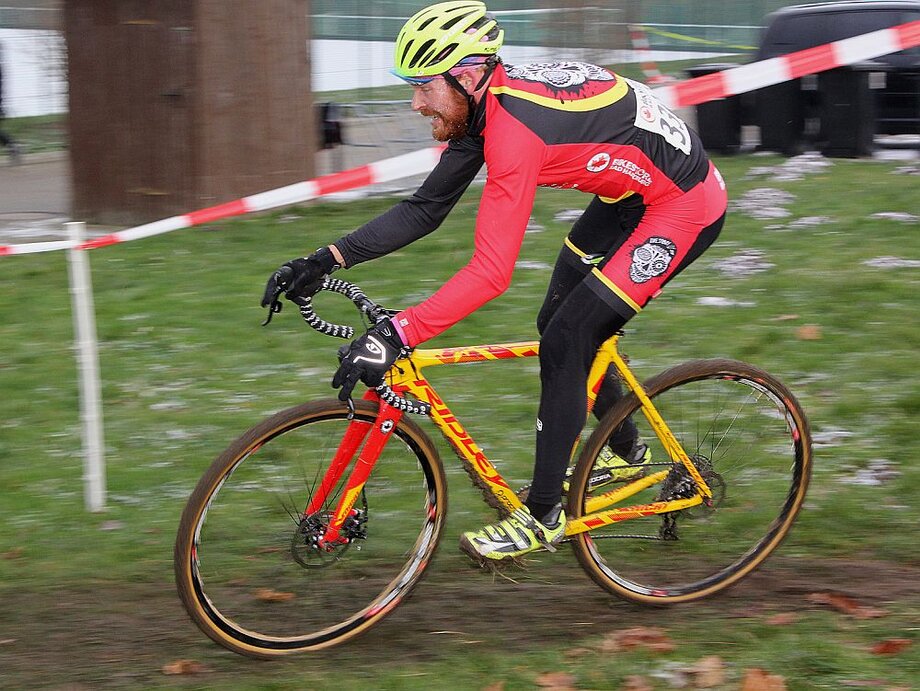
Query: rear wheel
{"x": 749, "y": 438}
{"x": 248, "y": 568}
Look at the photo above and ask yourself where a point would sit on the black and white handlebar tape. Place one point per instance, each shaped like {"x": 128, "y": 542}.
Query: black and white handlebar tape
{"x": 363, "y": 303}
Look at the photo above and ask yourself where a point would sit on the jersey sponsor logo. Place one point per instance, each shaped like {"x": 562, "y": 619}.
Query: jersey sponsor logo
{"x": 562, "y": 74}
{"x": 636, "y": 172}
{"x": 651, "y": 259}
{"x": 598, "y": 162}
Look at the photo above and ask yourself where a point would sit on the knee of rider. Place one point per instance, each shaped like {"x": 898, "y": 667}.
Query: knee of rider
{"x": 557, "y": 346}
{"x": 567, "y": 273}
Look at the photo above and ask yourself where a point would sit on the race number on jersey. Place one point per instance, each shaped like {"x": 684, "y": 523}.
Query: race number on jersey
{"x": 652, "y": 115}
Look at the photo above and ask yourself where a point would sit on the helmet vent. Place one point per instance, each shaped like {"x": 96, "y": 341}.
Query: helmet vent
{"x": 406, "y": 50}
{"x": 450, "y": 23}
{"x": 444, "y": 53}
{"x": 422, "y": 54}
{"x": 422, "y": 49}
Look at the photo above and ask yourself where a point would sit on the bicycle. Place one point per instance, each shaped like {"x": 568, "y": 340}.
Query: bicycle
{"x": 317, "y": 522}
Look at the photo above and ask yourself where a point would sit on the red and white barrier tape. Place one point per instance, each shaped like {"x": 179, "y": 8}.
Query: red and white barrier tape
{"x": 757, "y": 75}
{"x": 373, "y": 173}
{"x": 640, "y": 44}
{"x": 711, "y": 87}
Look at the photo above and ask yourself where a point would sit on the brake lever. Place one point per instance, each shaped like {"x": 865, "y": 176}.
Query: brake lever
{"x": 273, "y": 307}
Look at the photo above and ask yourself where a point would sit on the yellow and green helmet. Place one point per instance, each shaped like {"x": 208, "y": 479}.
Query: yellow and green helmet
{"x": 442, "y": 36}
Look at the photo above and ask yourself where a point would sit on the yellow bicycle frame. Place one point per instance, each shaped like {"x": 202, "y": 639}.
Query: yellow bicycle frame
{"x": 406, "y": 378}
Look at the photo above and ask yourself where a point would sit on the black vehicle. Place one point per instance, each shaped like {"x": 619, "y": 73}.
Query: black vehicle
{"x": 897, "y": 102}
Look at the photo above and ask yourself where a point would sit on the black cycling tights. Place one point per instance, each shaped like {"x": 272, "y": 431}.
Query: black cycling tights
{"x": 573, "y": 323}
{"x": 567, "y": 349}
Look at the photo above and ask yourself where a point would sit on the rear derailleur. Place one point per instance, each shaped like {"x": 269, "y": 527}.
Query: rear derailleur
{"x": 679, "y": 484}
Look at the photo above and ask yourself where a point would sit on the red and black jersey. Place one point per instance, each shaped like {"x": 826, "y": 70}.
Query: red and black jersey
{"x": 589, "y": 129}
{"x": 561, "y": 124}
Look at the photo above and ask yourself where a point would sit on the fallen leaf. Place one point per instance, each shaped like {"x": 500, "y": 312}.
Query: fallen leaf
{"x": 846, "y": 604}
{"x": 14, "y": 553}
{"x": 560, "y": 681}
{"x": 890, "y": 646}
{"x": 636, "y": 683}
{"x": 576, "y": 652}
{"x": 651, "y": 638}
{"x": 759, "y": 680}
{"x": 184, "y": 667}
{"x": 497, "y": 686}
{"x": 809, "y": 332}
{"x": 783, "y": 619}
{"x": 708, "y": 672}
{"x": 269, "y": 595}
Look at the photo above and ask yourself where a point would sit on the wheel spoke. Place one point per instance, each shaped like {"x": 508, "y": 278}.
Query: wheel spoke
{"x": 250, "y": 566}
{"x": 735, "y": 423}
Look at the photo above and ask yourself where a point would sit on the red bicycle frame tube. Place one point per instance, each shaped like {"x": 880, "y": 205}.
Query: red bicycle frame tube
{"x": 381, "y": 429}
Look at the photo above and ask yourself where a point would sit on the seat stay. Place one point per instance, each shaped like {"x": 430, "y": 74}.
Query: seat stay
{"x": 673, "y": 447}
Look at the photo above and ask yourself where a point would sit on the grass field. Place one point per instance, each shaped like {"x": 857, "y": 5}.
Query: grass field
{"x": 825, "y": 298}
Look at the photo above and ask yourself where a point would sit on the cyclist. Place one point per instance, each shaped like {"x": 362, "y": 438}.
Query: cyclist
{"x": 658, "y": 204}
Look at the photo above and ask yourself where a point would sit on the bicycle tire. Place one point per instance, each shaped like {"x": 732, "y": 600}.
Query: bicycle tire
{"x": 752, "y": 432}
{"x": 244, "y": 569}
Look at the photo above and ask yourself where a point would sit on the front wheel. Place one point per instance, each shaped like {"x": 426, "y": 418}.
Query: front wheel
{"x": 247, "y": 565}
{"x": 746, "y": 433}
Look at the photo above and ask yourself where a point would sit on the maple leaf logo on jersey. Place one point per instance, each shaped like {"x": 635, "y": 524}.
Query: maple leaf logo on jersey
{"x": 598, "y": 162}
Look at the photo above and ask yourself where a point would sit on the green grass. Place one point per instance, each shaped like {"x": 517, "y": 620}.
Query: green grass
{"x": 186, "y": 368}
{"x": 38, "y": 134}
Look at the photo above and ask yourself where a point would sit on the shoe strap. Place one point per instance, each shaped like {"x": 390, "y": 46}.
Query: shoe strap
{"x": 527, "y": 519}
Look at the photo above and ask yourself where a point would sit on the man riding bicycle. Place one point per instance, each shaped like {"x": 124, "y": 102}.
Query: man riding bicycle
{"x": 658, "y": 204}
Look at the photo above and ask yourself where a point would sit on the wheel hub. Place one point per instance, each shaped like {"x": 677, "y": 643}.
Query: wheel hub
{"x": 309, "y": 547}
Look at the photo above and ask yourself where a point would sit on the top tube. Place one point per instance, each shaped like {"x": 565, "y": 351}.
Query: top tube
{"x": 428, "y": 357}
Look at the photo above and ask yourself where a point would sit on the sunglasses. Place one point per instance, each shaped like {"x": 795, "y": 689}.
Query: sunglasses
{"x": 414, "y": 81}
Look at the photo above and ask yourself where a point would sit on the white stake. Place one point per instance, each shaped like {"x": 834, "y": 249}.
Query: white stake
{"x": 84, "y": 319}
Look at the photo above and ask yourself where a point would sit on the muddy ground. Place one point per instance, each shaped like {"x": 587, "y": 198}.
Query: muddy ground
{"x": 122, "y": 635}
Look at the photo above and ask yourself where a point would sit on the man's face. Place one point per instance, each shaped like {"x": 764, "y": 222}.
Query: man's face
{"x": 446, "y": 107}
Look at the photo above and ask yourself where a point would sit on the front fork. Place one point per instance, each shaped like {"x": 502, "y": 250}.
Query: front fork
{"x": 374, "y": 437}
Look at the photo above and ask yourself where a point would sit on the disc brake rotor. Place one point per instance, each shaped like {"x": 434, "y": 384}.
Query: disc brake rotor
{"x": 307, "y": 546}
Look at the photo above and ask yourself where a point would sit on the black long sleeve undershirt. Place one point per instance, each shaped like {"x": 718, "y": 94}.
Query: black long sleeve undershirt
{"x": 423, "y": 212}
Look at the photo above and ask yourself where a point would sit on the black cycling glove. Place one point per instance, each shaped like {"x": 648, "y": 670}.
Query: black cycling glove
{"x": 300, "y": 277}
{"x": 367, "y": 358}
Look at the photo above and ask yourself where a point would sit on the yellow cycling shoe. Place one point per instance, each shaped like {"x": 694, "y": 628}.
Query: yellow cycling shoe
{"x": 518, "y": 534}
{"x": 611, "y": 467}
